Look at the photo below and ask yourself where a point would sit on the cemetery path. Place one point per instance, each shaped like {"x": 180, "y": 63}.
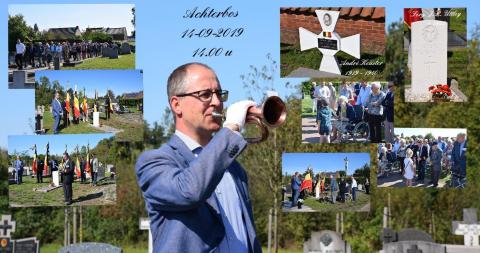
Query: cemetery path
{"x": 310, "y": 132}
{"x": 396, "y": 180}
{"x": 286, "y": 207}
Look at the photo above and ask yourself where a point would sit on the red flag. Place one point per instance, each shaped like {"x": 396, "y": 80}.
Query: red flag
{"x": 307, "y": 183}
{"x": 411, "y": 15}
{"x": 34, "y": 163}
{"x": 77, "y": 168}
{"x": 45, "y": 164}
{"x": 87, "y": 165}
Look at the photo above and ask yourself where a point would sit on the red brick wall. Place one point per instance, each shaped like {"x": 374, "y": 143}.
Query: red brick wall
{"x": 372, "y": 32}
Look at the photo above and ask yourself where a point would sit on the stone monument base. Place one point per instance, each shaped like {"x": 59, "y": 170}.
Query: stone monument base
{"x": 312, "y": 73}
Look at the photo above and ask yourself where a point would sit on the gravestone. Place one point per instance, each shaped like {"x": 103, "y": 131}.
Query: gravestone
{"x": 111, "y": 53}
{"x": 26, "y": 245}
{"x": 409, "y": 241}
{"x": 388, "y": 235}
{"x": 55, "y": 178}
{"x": 329, "y": 42}
{"x": 145, "y": 225}
{"x": 7, "y": 226}
{"x": 125, "y": 48}
{"x": 101, "y": 172}
{"x": 326, "y": 241}
{"x": 429, "y": 56}
{"x": 96, "y": 119}
{"x": 469, "y": 227}
{"x": 19, "y": 78}
{"x": 90, "y": 247}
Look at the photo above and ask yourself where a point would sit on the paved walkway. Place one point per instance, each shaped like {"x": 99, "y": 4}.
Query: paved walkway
{"x": 310, "y": 132}
{"x": 397, "y": 180}
{"x": 107, "y": 129}
{"x": 286, "y": 207}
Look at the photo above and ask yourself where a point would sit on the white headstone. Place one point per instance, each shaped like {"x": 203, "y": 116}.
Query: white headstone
{"x": 429, "y": 55}
{"x": 96, "y": 119}
{"x": 329, "y": 42}
{"x": 55, "y": 178}
{"x": 469, "y": 228}
{"x": 145, "y": 225}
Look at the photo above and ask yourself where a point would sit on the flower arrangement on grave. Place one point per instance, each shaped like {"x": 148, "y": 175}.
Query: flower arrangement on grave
{"x": 440, "y": 92}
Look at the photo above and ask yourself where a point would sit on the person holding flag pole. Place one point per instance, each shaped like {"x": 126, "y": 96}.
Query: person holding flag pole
{"x": 77, "y": 165}
{"x": 87, "y": 162}
{"x": 67, "y": 168}
{"x": 66, "y": 119}
{"x": 76, "y": 107}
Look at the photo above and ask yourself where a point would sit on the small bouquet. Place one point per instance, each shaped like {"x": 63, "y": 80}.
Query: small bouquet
{"x": 440, "y": 92}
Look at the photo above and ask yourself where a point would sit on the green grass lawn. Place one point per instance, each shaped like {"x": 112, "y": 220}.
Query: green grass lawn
{"x": 83, "y": 194}
{"x": 54, "y": 248}
{"x": 362, "y": 200}
{"x": 130, "y": 123}
{"x": 126, "y": 61}
{"x": 80, "y": 128}
{"x": 292, "y": 58}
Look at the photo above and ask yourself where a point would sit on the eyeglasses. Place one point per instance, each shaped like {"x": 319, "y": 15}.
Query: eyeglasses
{"x": 206, "y": 95}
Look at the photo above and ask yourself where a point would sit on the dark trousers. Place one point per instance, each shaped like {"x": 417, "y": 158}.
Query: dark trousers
{"x": 435, "y": 176}
{"x": 39, "y": 175}
{"x": 19, "y": 61}
{"x": 295, "y": 195}
{"x": 67, "y": 192}
{"x": 94, "y": 178}
{"x": 375, "y": 126}
{"x": 107, "y": 113}
{"x": 367, "y": 189}
{"x": 354, "y": 193}
{"x": 83, "y": 178}
{"x": 402, "y": 164}
{"x": 421, "y": 170}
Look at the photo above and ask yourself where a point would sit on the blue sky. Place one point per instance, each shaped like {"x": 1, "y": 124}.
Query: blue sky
{"x": 160, "y": 47}
{"x": 69, "y": 15}
{"x": 119, "y": 81}
{"x": 444, "y": 132}
{"x": 322, "y": 162}
{"x": 22, "y": 143}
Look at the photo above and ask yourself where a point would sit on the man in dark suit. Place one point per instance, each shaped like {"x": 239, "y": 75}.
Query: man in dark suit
{"x": 83, "y": 177}
{"x": 195, "y": 192}
{"x": 107, "y": 107}
{"x": 295, "y": 184}
{"x": 67, "y": 178}
{"x": 388, "y": 105}
{"x": 459, "y": 159}
{"x": 40, "y": 166}
{"x": 423, "y": 155}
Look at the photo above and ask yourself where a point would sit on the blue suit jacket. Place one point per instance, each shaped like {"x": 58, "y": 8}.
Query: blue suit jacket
{"x": 459, "y": 161}
{"x": 56, "y": 108}
{"x": 177, "y": 188}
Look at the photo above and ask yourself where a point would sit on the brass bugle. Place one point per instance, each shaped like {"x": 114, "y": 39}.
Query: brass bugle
{"x": 274, "y": 114}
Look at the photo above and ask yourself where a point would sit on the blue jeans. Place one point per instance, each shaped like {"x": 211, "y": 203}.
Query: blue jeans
{"x": 56, "y": 123}
{"x": 94, "y": 178}
{"x": 354, "y": 193}
{"x": 295, "y": 195}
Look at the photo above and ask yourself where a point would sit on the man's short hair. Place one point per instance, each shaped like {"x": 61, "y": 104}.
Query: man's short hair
{"x": 176, "y": 80}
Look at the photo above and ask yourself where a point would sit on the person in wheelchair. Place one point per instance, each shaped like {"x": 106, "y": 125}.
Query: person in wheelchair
{"x": 348, "y": 121}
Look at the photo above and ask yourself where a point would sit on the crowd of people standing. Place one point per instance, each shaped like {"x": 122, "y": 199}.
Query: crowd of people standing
{"x": 42, "y": 54}
{"x": 416, "y": 155}
{"x": 330, "y": 104}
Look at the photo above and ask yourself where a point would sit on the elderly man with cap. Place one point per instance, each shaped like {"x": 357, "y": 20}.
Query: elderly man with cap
{"x": 436, "y": 163}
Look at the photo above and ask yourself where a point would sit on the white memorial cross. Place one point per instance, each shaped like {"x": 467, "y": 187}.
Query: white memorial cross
{"x": 145, "y": 225}
{"x": 7, "y": 226}
{"x": 469, "y": 227}
{"x": 329, "y": 42}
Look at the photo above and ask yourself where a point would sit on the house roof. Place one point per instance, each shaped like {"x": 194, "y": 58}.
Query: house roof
{"x": 133, "y": 95}
{"x": 375, "y": 13}
{"x": 67, "y": 31}
{"x": 109, "y": 30}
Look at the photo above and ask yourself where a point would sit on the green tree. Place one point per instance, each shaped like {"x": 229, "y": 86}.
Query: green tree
{"x": 18, "y": 29}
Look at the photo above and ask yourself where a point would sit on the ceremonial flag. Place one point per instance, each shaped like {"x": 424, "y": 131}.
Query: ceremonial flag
{"x": 77, "y": 166}
{"x": 34, "y": 163}
{"x": 76, "y": 106}
{"x": 411, "y": 15}
{"x": 87, "y": 165}
{"x": 67, "y": 102}
{"x": 85, "y": 106}
{"x": 307, "y": 183}
{"x": 45, "y": 164}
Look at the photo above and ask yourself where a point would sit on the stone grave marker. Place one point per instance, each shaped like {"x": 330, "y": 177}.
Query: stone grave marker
{"x": 429, "y": 56}
{"x": 19, "y": 78}
{"x": 111, "y": 53}
{"x": 7, "y": 226}
{"x": 125, "y": 48}
{"x": 409, "y": 241}
{"x": 329, "y": 42}
{"x": 326, "y": 241}
{"x": 26, "y": 245}
{"x": 469, "y": 227}
{"x": 96, "y": 119}
{"x": 55, "y": 178}
{"x": 90, "y": 247}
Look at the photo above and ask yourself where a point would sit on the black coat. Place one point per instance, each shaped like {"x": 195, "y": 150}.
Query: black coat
{"x": 388, "y": 104}
{"x": 68, "y": 172}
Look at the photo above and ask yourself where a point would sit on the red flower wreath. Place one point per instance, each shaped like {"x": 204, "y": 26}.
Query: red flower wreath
{"x": 440, "y": 91}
